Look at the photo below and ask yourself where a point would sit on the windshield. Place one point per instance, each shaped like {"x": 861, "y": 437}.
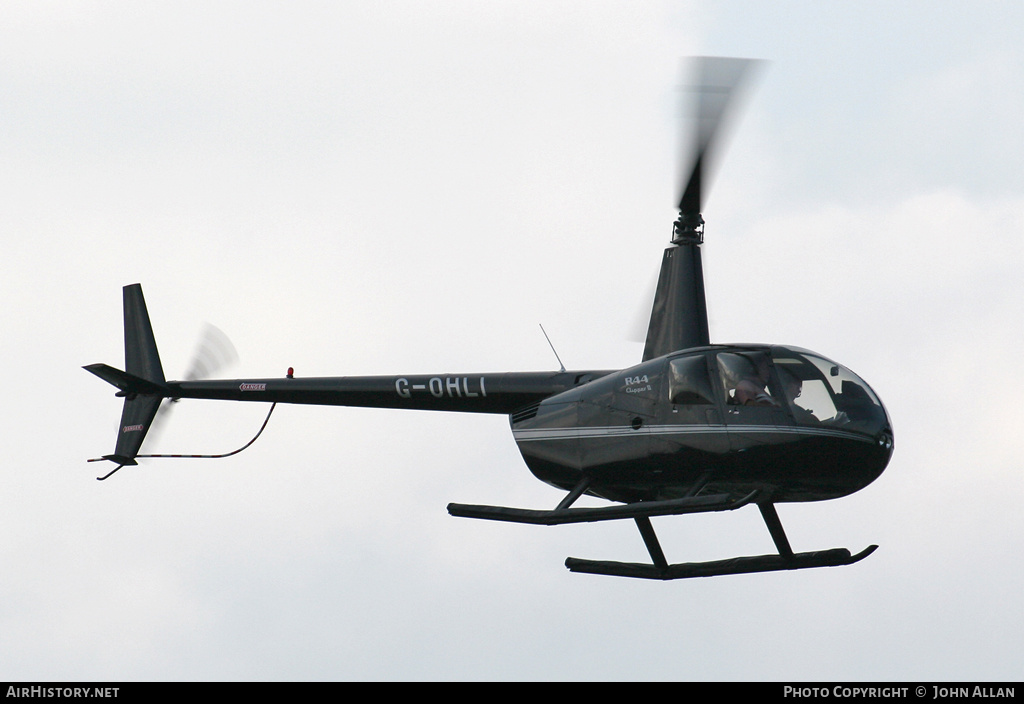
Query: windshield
{"x": 821, "y": 392}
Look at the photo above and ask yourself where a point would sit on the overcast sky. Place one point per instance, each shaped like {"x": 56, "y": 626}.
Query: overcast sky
{"x": 408, "y": 187}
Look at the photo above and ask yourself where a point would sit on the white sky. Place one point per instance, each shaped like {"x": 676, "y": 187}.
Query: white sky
{"x": 401, "y": 187}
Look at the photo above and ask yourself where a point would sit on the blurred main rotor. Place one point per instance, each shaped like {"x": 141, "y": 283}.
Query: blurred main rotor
{"x": 714, "y": 83}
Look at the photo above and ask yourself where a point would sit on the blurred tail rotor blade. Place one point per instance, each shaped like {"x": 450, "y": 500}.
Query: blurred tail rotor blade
{"x": 213, "y": 352}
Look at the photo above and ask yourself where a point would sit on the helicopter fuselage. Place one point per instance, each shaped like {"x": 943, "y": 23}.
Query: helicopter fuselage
{"x": 704, "y": 421}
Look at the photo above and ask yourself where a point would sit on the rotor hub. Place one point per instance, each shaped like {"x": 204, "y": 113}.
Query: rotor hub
{"x": 688, "y": 229}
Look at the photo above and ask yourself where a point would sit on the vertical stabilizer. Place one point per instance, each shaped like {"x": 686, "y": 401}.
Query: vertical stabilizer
{"x": 142, "y": 384}
{"x": 141, "y": 358}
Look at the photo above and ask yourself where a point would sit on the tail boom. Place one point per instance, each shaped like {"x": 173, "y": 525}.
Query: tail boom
{"x": 143, "y": 386}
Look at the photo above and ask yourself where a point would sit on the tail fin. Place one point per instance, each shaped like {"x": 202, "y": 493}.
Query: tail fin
{"x": 142, "y": 384}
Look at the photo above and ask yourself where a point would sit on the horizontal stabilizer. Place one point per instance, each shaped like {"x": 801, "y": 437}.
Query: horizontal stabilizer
{"x": 127, "y": 383}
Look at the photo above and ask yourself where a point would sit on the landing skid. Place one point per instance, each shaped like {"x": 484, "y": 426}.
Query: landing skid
{"x": 735, "y": 565}
{"x": 560, "y": 515}
{"x": 641, "y": 513}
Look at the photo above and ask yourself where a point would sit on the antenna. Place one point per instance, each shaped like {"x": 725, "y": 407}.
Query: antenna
{"x": 562, "y": 366}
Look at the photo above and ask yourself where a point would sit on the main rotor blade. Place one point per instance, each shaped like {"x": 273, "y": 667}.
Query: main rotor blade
{"x": 715, "y": 83}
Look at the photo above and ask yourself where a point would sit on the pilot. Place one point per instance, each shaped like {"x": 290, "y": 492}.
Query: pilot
{"x": 793, "y": 386}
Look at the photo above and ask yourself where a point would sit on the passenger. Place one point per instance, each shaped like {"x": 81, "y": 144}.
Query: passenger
{"x": 752, "y": 389}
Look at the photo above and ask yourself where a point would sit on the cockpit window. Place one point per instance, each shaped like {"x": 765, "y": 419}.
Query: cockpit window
{"x": 821, "y": 392}
{"x": 747, "y": 378}
{"x": 688, "y": 381}
{"x": 809, "y": 397}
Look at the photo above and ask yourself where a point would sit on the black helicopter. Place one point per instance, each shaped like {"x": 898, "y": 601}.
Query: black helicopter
{"x": 693, "y": 428}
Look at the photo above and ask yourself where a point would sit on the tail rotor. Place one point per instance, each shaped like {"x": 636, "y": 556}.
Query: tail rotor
{"x": 144, "y": 388}
{"x": 213, "y": 353}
